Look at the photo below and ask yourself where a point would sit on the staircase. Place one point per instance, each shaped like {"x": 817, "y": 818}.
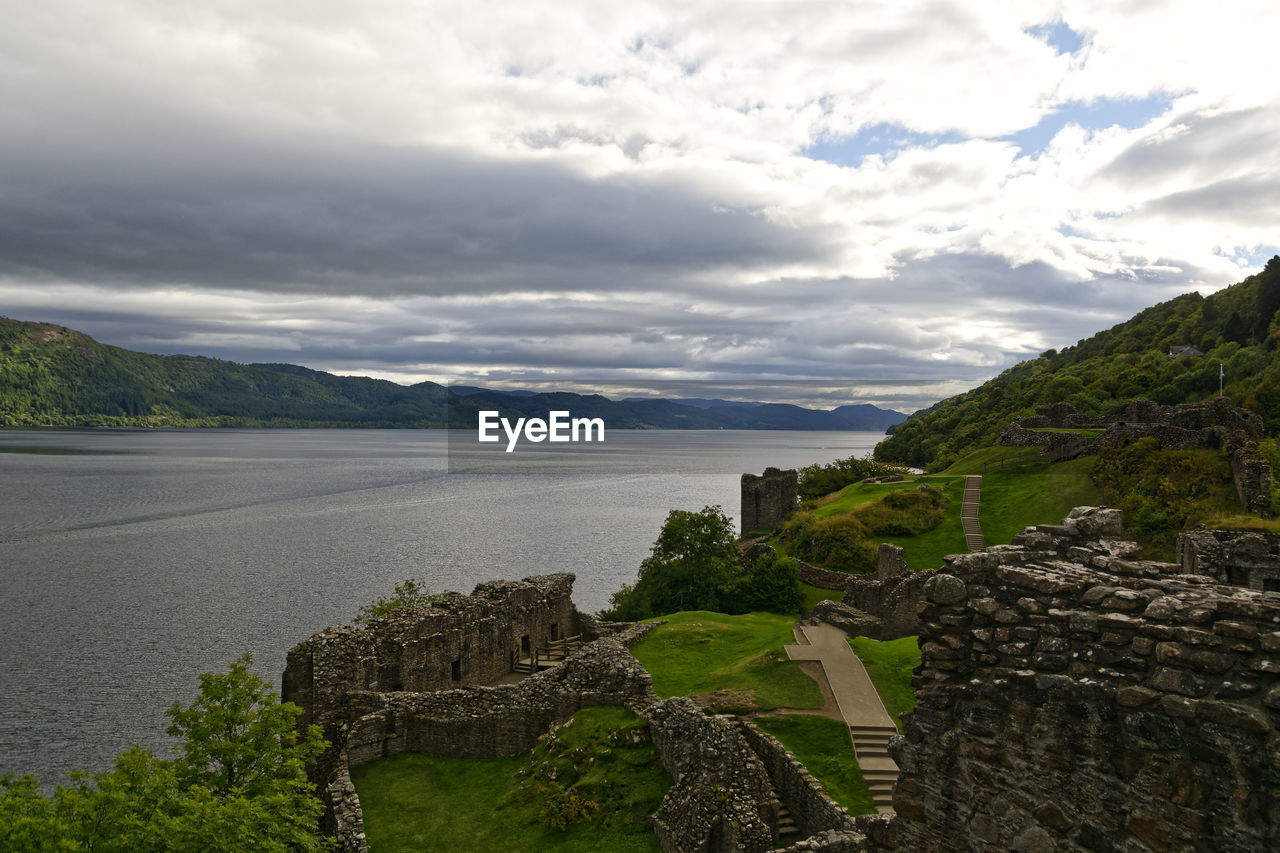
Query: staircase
{"x": 871, "y": 744}
{"x": 969, "y": 513}
{"x": 788, "y": 832}
{"x": 545, "y": 657}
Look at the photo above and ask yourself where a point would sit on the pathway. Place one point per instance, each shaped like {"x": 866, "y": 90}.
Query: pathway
{"x": 870, "y": 725}
{"x": 969, "y": 513}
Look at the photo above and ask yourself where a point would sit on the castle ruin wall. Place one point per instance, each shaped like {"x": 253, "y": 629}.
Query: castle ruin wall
{"x": 768, "y": 499}
{"x": 1070, "y": 697}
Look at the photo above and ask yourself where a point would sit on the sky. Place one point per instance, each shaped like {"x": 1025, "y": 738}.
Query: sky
{"x": 890, "y": 201}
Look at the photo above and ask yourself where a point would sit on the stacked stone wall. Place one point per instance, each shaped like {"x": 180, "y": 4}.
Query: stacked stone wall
{"x": 1243, "y": 558}
{"x": 768, "y": 499}
{"x": 721, "y": 800}
{"x": 812, "y": 807}
{"x": 456, "y": 641}
{"x": 1070, "y": 697}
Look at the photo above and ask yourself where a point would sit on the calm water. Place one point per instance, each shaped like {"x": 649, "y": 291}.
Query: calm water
{"x": 130, "y": 562}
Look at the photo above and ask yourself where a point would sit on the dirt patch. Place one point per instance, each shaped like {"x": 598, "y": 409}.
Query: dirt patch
{"x": 727, "y": 701}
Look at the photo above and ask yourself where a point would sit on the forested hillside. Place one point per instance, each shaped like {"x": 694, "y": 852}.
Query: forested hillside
{"x": 54, "y": 376}
{"x": 50, "y": 375}
{"x": 1236, "y": 328}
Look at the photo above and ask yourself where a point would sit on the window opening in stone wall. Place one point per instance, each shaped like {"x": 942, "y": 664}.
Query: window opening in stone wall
{"x": 1271, "y": 584}
{"x": 456, "y": 669}
{"x": 555, "y": 630}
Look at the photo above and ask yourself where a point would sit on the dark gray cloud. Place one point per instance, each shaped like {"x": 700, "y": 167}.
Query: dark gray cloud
{"x": 308, "y": 217}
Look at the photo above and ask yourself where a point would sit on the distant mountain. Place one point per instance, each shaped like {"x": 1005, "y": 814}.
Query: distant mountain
{"x": 700, "y": 402}
{"x": 54, "y": 376}
{"x": 867, "y": 416}
{"x": 1237, "y": 329}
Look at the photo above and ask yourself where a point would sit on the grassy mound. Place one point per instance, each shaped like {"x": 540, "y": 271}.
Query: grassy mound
{"x": 729, "y": 663}
{"x": 824, "y": 747}
{"x": 598, "y": 775}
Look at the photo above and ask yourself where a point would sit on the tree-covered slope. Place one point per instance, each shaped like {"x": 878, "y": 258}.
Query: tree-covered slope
{"x": 1236, "y": 328}
{"x": 54, "y": 375}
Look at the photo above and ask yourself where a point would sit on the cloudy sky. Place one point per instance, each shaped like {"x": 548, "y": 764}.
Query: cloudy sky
{"x": 898, "y": 199}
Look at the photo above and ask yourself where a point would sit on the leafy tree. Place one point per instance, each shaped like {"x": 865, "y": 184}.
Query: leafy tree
{"x": 407, "y": 594}
{"x": 693, "y": 558}
{"x": 773, "y": 584}
{"x": 239, "y": 784}
{"x": 238, "y": 736}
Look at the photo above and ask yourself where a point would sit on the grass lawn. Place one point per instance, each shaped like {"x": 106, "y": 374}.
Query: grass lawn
{"x": 416, "y": 802}
{"x": 926, "y": 550}
{"x": 823, "y": 746}
{"x": 1014, "y": 498}
{"x": 697, "y": 653}
{"x": 889, "y": 663}
{"x": 814, "y": 594}
{"x": 855, "y": 495}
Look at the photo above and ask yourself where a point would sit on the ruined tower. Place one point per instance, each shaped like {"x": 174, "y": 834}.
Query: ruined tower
{"x": 767, "y": 499}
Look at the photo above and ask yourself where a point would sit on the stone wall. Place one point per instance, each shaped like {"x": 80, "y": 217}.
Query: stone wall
{"x": 1242, "y": 558}
{"x": 1070, "y": 697}
{"x": 491, "y": 722}
{"x": 1252, "y": 475}
{"x": 456, "y": 641}
{"x": 812, "y": 807}
{"x": 721, "y": 800}
{"x": 883, "y": 607}
{"x": 768, "y": 499}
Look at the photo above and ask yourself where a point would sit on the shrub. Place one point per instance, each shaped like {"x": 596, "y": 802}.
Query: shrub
{"x": 818, "y": 480}
{"x": 840, "y": 542}
{"x": 407, "y": 594}
{"x": 773, "y": 585}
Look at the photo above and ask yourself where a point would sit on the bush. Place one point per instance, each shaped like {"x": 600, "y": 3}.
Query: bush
{"x": 904, "y": 513}
{"x": 840, "y": 542}
{"x": 818, "y": 480}
{"x": 407, "y": 594}
{"x": 1161, "y": 492}
{"x": 772, "y": 585}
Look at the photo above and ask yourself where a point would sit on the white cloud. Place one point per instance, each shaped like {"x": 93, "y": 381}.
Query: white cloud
{"x": 582, "y": 186}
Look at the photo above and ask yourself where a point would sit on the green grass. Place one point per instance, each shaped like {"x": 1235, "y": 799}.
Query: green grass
{"x": 814, "y": 594}
{"x": 926, "y": 550}
{"x": 889, "y": 663}
{"x": 855, "y": 495}
{"x": 1044, "y": 493}
{"x": 823, "y": 746}
{"x": 419, "y": 803}
{"x": 739, "y": 658}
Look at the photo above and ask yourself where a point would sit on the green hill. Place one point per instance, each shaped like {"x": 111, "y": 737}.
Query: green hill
{"x": 54, "y": 376}
{"x": 51, "y": 375}
{"x": 1236, "y": 327}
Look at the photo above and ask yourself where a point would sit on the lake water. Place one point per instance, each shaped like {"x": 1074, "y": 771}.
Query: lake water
{"x": 132, "y": 561}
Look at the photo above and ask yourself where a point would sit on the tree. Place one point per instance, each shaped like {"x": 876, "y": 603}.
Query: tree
{"x": 237, "y": 735}
{"x": 693, "y": 558}
{"x": 239, "y": 784}
{"x": 773, "y": 584}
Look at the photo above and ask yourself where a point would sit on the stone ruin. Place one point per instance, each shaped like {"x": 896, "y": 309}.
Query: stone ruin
{"x": 422, "y": 680}
{"x": 1072, "y": 697}
{"x": 1216, "y": 425}
{"x": 1069, "y": 697}
{"x": 768, "y": 499}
